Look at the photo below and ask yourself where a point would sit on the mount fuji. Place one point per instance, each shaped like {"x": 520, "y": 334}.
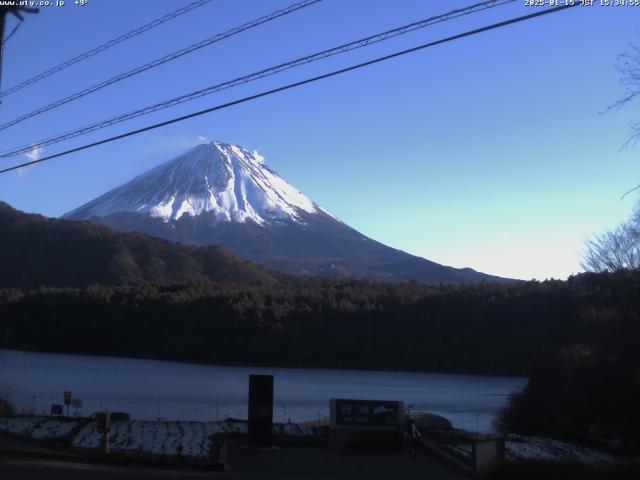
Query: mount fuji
{"x": 219, "y": 193}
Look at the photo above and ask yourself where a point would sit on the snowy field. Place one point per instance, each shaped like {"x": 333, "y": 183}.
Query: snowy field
{"x": 153, "y": 390}
{"x": 523, "y": 447}
{"x": 188, "y": 439}
{"x": 194, "y": 439}
{"x": 38, "y": 427}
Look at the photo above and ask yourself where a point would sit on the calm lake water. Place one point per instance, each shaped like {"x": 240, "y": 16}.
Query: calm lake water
{"x": 150, "y": 389}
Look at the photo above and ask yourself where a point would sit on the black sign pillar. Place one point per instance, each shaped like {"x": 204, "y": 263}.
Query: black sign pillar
{"x": 260, "y": 409}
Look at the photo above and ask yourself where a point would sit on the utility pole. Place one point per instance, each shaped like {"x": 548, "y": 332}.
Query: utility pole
{"x": 105, "y": 421}
{"x": 16, "y": 12}
{"x": 3, "y": 18}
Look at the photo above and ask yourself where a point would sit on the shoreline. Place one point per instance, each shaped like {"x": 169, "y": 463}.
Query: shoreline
{"x": 277, "y": 365}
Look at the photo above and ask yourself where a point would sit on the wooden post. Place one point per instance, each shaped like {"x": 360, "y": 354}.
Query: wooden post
{"x": 105, "y": 436}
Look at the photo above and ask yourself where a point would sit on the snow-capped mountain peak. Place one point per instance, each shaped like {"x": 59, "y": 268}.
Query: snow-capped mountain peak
{"x": 226, "y": 180}
{"x": 221, "y": 194}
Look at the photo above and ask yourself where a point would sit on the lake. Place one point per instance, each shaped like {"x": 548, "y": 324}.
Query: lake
{"x": 152, "y": 389}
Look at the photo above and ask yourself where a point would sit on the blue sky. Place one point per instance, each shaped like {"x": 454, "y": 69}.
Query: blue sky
{"x": 489, "y": 152}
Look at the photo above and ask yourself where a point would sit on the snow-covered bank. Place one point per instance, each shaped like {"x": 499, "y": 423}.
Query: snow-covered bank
{"x": 173, "y": 438}
{"x": 38, "y": 427}
{"x": 526, "y": 447}
{"x": 190, "y": 439}
{"x": 523, "y": 447}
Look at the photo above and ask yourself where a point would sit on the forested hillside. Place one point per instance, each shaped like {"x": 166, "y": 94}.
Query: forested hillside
{"x": 337, "y": 323}
{"x": 38, "y": 251}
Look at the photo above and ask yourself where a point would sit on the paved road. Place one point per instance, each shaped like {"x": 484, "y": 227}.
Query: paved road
{"x": 288, "y": 463}
{"x": 35, "y": 469}
{"x": 320, "y": 463}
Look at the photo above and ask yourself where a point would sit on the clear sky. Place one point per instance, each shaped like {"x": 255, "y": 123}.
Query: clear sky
{"x": 490, "y": 152}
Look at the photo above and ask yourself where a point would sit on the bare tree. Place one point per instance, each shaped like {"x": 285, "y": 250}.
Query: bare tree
{"x": 629, "y": 68}
{"x": 615, "y": 249}
{"x": 619, "y": 248}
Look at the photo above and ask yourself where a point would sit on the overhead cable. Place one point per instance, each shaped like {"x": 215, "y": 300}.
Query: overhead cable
{"x": 363, "y": 42}
{"x": 105, "y": 46}
{"x": 297, "y": 84}
{"x": 162, "y": 60}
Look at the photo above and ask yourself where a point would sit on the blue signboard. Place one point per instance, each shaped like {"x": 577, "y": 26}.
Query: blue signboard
{"x": 367, "y": 412}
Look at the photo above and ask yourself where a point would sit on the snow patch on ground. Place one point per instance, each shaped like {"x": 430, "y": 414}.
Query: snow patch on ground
{"x": 37, "y": 427}
{"x": 292, "y": 430}
{"x": 189, "y": 439}
{"x": 174, "y": 438}
{"x": 523, "y": 447}
{"x": 526, "y": 447}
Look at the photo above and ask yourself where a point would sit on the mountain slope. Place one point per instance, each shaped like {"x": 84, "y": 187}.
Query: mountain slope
{"x": 37, "y": 251}
{"x": 219, "y": 193}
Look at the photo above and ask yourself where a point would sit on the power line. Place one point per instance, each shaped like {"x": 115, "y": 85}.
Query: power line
{"x": 261, "y": 74}
{"x": 15, "y": 29}
{"x": 162, "y": 60}
{"x": 298, "y": 84}
{"x": 105, "y": 46}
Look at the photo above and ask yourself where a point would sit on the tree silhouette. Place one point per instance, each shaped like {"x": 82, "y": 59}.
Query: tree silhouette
{"x": 615, "y": 249}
